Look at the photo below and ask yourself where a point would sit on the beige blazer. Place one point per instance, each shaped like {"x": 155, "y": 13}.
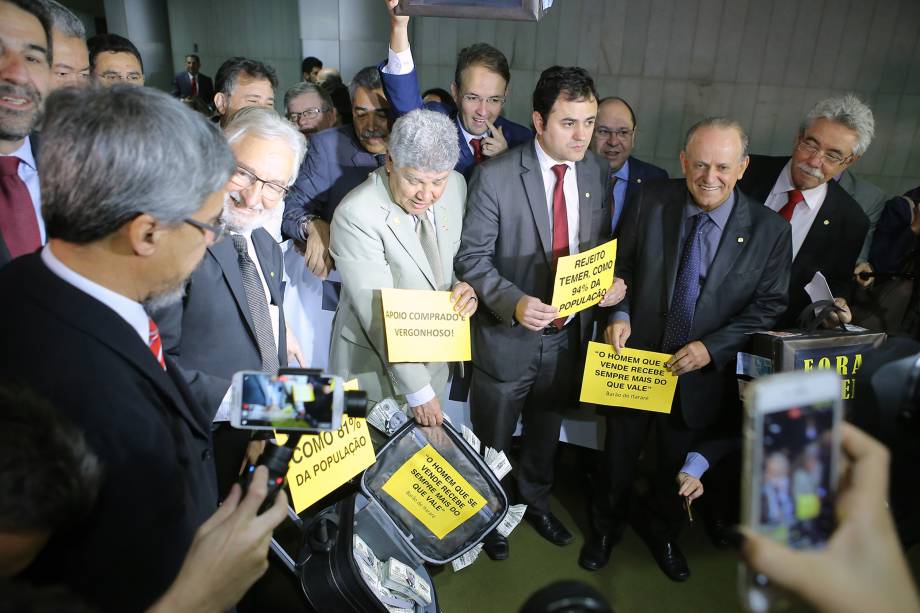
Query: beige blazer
{"x": 375, "y": 246}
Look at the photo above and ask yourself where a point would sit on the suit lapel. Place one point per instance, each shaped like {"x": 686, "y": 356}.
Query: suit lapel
{"x": 532, "y": 177}
{"x": 227, "y": 258}
{"x": 672, "y": 218}
{"x": 820, "y": 236}
{"x": 263, "y": 243}
{"x": 586, "y": 202}
{"x": 735, "y": 235}
{"x": 466, "y": 156}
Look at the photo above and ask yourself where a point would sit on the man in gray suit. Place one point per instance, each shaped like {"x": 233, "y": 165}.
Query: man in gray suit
{"x": 539, "y": 201}
{"x": 399, "y": 229}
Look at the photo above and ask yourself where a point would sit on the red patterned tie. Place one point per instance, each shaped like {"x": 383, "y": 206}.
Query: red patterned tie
{"x": 156, "y": 345}
{"x": 795, "y": 197}
{"x": 476, "y": 144}
{"x": 560, "y": 224}
{"x": 17, "y": 214}
{"x": 194, "y": 85}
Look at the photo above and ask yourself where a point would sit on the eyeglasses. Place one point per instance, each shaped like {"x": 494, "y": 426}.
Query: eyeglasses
{"x": 244, "y": 179}
{"x": 477, "y": 100}
{"x": 216, "y": 230}
{"x": 621, "y": 135}
{"x": 114, "y": 77}
{"x": 828, "y": 157}
{"x": 311, "y": 113}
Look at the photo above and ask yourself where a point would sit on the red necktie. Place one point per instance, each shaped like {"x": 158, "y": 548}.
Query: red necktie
{"x": 560, "y": 224}
{"x": 17, "y": 215}
{"x": 156, "y": 345}
{"x": 476, "y": 144}
{"x": 795, "y": 197}
{"x": 194, "y": 85}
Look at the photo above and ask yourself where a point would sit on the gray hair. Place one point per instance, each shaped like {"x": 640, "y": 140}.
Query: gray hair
{"x": 849, "y": 111}
{"x": 719, "y": 122}
{"x": 426, "y": 140}
{"x": 368, "y": 78}
{"x": 306, "y": 87}
{"x": 264, "y": 122}
{"x": 109, "y": 155}
{"x": 63, "y": 20}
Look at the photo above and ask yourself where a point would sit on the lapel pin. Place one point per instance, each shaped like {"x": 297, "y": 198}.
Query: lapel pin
{"x": 271, "y": 273}
{"x": 587, "y": 194}
{"x": 827, "y": 222}
{"x": 396, "y": 221}
{"x": 740, "y": 239}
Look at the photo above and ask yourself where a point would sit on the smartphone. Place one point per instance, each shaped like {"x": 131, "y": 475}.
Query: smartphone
{"x": 307, "y": 401}
{"x": 791, "y": 461}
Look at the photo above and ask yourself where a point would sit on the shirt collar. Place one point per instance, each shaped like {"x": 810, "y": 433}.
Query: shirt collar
{"x": 466, "y": 134}
{"x": 24, "y": 153}
{"x": 546, "y": 162}
{"x": 623, "y": 173}
{"x": 718, "y": 215}
{"x": 813, "y": 196}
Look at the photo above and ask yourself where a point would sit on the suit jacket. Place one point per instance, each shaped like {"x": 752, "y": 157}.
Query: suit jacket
{"x": 182, "y": 87}
{"x": 832, "y": 245}
{"x": 745, "y": 289}
{"x": 640, "y": 172}
{"x": 210, "y": 334}
{"x": 403, "y": 93}
{"x": 143, "y": 423}
{"x": 335, "y": 164}
{"x": 4, "y": 250}
{"x": 872, "y": 201}
{"x": 506, "y": 251}
{"x": 375, "y": 245}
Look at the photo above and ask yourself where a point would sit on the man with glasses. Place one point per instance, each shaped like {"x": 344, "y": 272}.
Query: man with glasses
{"x": 480, "y": 88}
{"x": 114, "y": 60}
{"x": 310, "y": 108}
{"x": 231, "y": 316}
{"x": 614, "y": 139}
{"x": 828, "y": 225}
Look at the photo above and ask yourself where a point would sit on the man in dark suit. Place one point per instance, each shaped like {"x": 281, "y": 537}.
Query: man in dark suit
{"x": 614, "y": 138}
{"x": 25, "y": 34}
{"x": 338, "y": 161}
{"x": 705, "y": 265}
{"x": 231, "y": 316}
{"x": 75, "y": 327}
{"x": 190, "y": 83}
{"x": 480, "y": 85}
{"x": 828, "y": 225}
{"x": 541, "y": 200}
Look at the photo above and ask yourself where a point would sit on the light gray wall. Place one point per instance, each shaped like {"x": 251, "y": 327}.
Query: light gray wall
{"x": 264, "y": 30}
{"x": 144, "y": 23}
{"x": 761, "y": 62}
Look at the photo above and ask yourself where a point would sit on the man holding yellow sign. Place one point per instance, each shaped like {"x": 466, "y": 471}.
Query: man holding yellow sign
{"x": 399, "y": 229}
{"x": 705, "y": 265}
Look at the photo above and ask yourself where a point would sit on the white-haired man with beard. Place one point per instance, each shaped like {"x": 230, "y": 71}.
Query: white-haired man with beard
{"x": 231, "y": 317}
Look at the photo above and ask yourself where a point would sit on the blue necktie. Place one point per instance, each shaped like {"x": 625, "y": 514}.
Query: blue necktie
{"x": 686, "y": 289}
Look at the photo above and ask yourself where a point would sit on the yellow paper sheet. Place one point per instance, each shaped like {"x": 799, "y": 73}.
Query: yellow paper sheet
{"x": 434, "y": 492}
{"x": 634, "y": 379}
{"x": 582, "y": 279}
{"x": 422, "y": 326}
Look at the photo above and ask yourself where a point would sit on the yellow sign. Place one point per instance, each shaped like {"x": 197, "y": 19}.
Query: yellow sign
{"x": 434, "y": 492}
{"x": 634, "y": 379}
{"x": 422, "y": 326}
{"x": 324, "y": 461}
{"x": 582, "y": 279}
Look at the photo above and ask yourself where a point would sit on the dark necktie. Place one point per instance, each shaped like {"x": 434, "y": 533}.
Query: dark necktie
{"x": 381, "y": 159}
{"x": 258, "y": 307}
{"x": 155, "y": 344}
{"x": 17, "y": 215}
{"x": 194, "y": 85}
{"x": 795, "y": 197}
{"x": 615, "y": 208}
{"x": 560, "y": 224}
{"x": 686, "y": 289}
{"x": 476, "y": 144}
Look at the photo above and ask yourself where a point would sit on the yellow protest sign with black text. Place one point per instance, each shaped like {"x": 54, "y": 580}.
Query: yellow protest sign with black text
{"x": 634, "y": 378}
{"x": 422, "y": 326}
{"x": 582, "y": 279}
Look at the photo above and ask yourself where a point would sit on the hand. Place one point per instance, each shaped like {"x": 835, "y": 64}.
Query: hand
{"x": 464, "y": 299}
{"x": 835, "y": 319}
{"x": 316, "y": 251}
{"x": 429, "y": 413}
{"x": 862, "y": 568}
{"x": 254, "y": 451}
{"x": 914, "y": 215}
{"x": 228, "y": 554}
{"x": 533, "y": 314}
{"x": 615, "y": 294}
{"x": 294, "y": 353}
{"x": 690, "y": 487}
{"x": 494, "y": 144}
{"x": 690, "y": 357}
{"x": 617, "y": 334}
{"x": 863, "y": 267}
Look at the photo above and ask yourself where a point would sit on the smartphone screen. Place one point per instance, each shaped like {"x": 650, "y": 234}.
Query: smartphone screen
{"x": 286, "y": 402}
{"x": 796, "y": 496}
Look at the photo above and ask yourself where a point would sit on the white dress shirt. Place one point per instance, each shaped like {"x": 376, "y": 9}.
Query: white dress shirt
{"x": 28, "y": 172}
{"x": 804, "y": 213}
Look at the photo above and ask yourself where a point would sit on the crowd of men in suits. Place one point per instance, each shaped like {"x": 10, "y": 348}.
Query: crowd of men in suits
{"x": 140, "y": 272}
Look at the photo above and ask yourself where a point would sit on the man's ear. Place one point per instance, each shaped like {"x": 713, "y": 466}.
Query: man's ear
{"x": 143, "y": 234}
{"x": 220, "y": 102}
{"x": 537, "y": 120}
{"x": 455, "y": 92}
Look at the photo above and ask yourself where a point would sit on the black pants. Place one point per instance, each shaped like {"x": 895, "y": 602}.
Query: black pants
{"x": 542, "y": 395}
